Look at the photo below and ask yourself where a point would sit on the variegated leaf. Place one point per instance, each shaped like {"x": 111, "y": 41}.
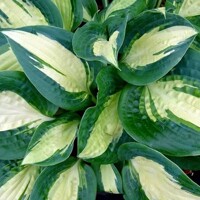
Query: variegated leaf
{"x": 190, "y": 9}
{"x": 130, "y": 7}
{"x": 52, "y": 68}
{"x": 108, "y": 178}
{"x": 100, "y": 132}
{"x": 71, "y": 12}
{"x": 19, "y": 13}
{"x": 89, "y": 9}
{"x": 185, "y": 8}
{"x": 8, "y": 60}
{"x": 151, "y": 176}
{"x": 52, "y": 142}
{"x": 154, "y": 43}
{"x": 164, "y": 115}
{"x": 68, "y": 180}
{"x": 98, "y": 41}
{"x": 17, "y": 112}
{"x": 22, "y": 109}
{"x": 106, "y": 128}
{"x": 16, "y": 182}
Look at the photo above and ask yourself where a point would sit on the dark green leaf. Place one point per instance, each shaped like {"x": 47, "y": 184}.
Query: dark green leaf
{"x": 26, "y": 109}
{"x": 164, "y": 115}
{"x": 153, "y": 45}
{"x": 150, "y": 175}
{"x": 70, "y": 180}
{"x": 98, "y": 41}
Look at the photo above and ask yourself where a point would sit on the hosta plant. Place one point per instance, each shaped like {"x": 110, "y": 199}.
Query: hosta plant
{"x": 99, "y": 98}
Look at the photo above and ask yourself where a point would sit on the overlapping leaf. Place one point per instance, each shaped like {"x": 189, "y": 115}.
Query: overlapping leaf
{"x": 68, "y": 180}
{"x": 101, "y": 42}
{"x": 184, "y": 8}
{"x": 89, "y": 9}
{"x": 189, "y": 10}
{"x": 149, "y": 175}
{"x": 164, "y": 114}
{"x": 149, "y": 50}
{"x": 22, "y": 109}
{"x": 19, "y": 13}
{"x": 51, "y": 67}
{"x": 108, "y": 178}
{"x": 129, "y": 7}
{"x": 71, "y": 13}
{"x": 52, "y": 142}
{"x": 101, "y": 132}
{"x": 16, "y": 182}
{"x": 154, "y": 43}
{"x": 8, "y": 60}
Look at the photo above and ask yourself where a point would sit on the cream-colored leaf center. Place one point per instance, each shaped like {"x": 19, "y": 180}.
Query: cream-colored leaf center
{"x": 107, "y": 49}
{"x": 67, "y": 13}
{"x": 66, "y": 186}
{"x": 21, "y": 184}
{"x": 86, "y": 15}
{"x": 55, "y": 139}
{"x": 55, "y": 60}
{"x": 20, "y": 13}
{"x": 118, "y": 5}
{"x": 16, "y": 112}
{"x": 166, "y": 98}
{"x": 107, "y": 128}
{"x": 157, "y": 183}
{"x": 9, "y": 61}
{"x": 154, "y": 45}
{"x": 109, "y": 179}
{"x": 190, "y": 8}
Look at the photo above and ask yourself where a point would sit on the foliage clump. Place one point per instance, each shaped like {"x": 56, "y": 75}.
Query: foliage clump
{"x": 99, "y": 100}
